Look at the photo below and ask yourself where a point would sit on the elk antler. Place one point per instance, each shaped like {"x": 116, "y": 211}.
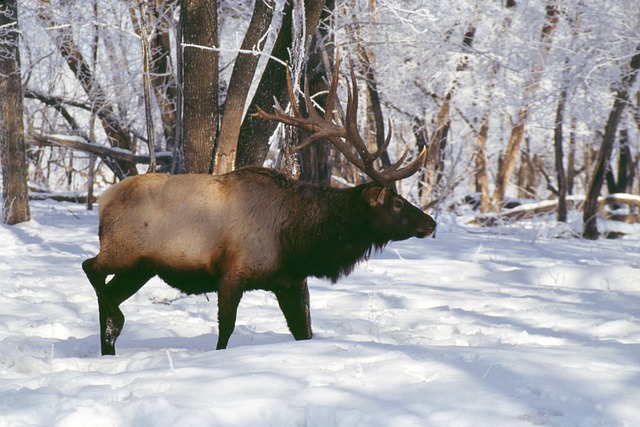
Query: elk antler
{"x": 345, "y": 138}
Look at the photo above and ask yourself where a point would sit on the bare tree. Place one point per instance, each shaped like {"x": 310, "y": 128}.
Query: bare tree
{"x": 157, "y": 65}
{"x": 434, "y": 164}
{"x": 517, "y": 132}
{"x": 15, "y": 196}
{"x": 117, "y": 134}
{"x": 590, "y": 228}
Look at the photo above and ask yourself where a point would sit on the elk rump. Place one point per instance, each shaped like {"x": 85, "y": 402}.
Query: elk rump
{"x": 249, "y": 229}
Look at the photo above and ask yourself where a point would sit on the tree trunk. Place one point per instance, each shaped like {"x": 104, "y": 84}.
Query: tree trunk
{"x": 590, "y": 228}
{"x": 482, "y": 175}
{"x": 571, "y": 160}
{"x": 517, "y": 132}
{"x": 253, "y": 142}
{"x": 620, "y": 183}
{"x": 199, "y": 24}
{"x": 15, "y": 194}
{"x": 316, "y": 160}
{"x": 239, "y": 85}
{"x": 559, "y": 158}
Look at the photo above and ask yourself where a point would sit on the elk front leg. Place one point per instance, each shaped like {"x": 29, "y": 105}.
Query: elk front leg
{"x": 294, "y": 303}
{"x": 229, "y": 296}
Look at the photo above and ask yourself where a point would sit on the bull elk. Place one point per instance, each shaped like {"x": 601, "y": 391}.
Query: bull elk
{"x": 249, "y": 229}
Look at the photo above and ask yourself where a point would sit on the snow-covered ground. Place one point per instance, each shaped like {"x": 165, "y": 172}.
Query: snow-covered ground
{"x": 506, "y": 326}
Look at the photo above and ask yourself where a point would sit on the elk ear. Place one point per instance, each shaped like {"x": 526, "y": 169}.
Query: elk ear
{"x": 374, "y": 197}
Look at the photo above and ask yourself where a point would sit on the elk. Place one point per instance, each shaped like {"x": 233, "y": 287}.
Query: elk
{"x": 249, "y": 229}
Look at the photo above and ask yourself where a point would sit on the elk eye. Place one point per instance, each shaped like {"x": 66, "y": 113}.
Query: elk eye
{"x": 397, "y": 204}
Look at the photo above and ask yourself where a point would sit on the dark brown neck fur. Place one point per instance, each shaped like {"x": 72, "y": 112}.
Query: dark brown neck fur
{"x": 329, "y": 234}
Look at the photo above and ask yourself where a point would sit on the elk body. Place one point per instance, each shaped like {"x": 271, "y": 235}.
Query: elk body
{"x": 252, "y": 228}
{"x": 249, "y": 229}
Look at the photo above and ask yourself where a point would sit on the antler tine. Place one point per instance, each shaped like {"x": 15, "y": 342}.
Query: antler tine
{"x": 395, "y": 174}
{"x": 387, "y": 140}
{"x": 351, "y": 120}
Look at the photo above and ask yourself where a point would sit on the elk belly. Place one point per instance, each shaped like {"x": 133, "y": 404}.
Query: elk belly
{"x": 191, "y": 281}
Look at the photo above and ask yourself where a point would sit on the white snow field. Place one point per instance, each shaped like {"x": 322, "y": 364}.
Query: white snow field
{"x": 503, "y": 326}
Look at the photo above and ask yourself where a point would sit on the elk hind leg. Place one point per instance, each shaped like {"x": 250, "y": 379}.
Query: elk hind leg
{"x": 110, "y": 295}
{"x": 294, "y": 303}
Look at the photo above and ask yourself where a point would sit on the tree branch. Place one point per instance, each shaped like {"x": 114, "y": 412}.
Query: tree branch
{"x": 81, "y": 144}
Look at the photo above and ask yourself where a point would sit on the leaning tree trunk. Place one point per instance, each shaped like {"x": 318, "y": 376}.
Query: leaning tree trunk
{"x": 15, "y": 195}
{"x": 199, "y": 24}
{"x": 239, "y": 85}
{"x": 590, "y": 228}
{"x": 253, "y": 142}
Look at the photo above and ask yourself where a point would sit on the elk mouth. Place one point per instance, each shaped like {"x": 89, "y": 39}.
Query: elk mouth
{"x": 421, "y": 233}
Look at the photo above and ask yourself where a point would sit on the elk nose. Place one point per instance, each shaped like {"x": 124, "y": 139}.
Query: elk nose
{"x": 425, "y": 230}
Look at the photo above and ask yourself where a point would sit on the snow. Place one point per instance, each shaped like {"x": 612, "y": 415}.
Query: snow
{"x": 508, "y": 326}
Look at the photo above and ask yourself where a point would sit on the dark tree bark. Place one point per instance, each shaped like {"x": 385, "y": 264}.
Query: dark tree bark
{"x": 239, "y": 85}
{"x": 199, "y": 23}
{"x": 15, "y": 195}
{"x": 253, "y": 142}
{"x": 590, "y": 228}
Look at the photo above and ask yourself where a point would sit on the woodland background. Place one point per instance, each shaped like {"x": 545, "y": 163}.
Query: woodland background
{"x": 515, "y": 100}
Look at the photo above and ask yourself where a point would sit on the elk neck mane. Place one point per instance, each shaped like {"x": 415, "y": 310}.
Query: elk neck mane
{"x": 328, "y": 231}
